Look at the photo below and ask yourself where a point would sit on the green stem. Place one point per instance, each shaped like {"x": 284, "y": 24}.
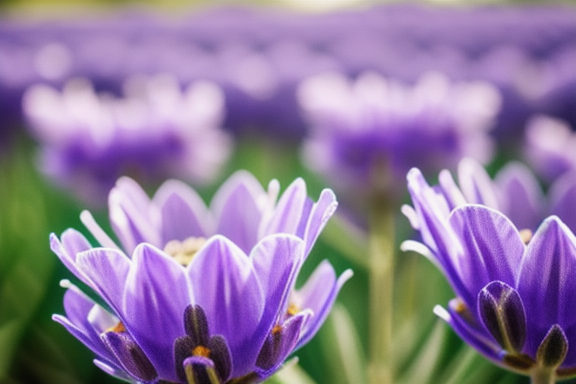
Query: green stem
{"x": 543, "y": 376}
{"x": 381, "y": 275}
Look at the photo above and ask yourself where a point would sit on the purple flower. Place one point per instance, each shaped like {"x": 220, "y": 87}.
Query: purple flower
{"x": 197, "y": 294}
{"x": 155, "y": 132}
{"x": 359, "y": 125}
{"x": 513, "y": 291}
{"x": 514, "y": 191}
{"x": 550, "y": 146}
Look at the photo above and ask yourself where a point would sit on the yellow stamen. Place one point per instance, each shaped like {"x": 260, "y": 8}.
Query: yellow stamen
{"x": 184, "y": 251}
{"x": 460, "y": 307}
{"x": 118, "y": 328}
{"x": 292, "y": 309}
{"x": 526, "y": 235}
{"x": 201, "y": 351}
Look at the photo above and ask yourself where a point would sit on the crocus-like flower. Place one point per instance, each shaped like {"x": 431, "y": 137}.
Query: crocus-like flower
{"x": 550, "y": 146}
{"x": 362, "y": 126}
{"x": 514, "y": 291}
{"x": 514, "y": 191}
{"x": 155, "y": 132}
{"x": 198, "y": 295}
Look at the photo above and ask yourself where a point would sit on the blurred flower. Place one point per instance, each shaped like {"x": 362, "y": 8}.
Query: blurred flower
{"x": 155, "y": 132}
{"x": 361, "y": 127}
{"x": 513, "y": 290}
{"x": 199, "y": 295}
{"x": 550, "y": 147}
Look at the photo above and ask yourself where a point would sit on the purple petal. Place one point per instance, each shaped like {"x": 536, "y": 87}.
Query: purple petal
{"x": 237, "y": 208}
{"x": 184, "y": 214}
{"x": 493, "y": 249}
{"x": 563, "y": 200}
{"x": 321, "y": 212}
{"x": 450, "y": 190}
{"x": 318, "y": 295}
{"x": 290, "y": 210}
{"x": 280, "y": 344}
{"x": 524, "y": 200}
{"x": 107, "y": 270}
{"x": 225, "y": 285}
{"x": 78, "y": 307}
{"x": 546, "y": 282}
{"x": 432, "y": 213}
{"x": 472, "y": 336}
{"x": 130, "y": 355}
{"x": 155, "y": 297}
{"x": 277, "y": 260}
{"x": 132, "y": 215}
{"x": 476, "y": 184}
{"x": 67, "y": 249}
{"x": 111, "y": 370}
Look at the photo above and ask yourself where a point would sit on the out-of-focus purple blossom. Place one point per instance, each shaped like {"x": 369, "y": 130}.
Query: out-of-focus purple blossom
{"x": 156, "y": 131}
{"x": 358, "y": 126}
{"x": 513, "y": 290}
{"x": 550, "y": 147}
{"x": 528, "y": 52}
{"x": 197, "y": 294}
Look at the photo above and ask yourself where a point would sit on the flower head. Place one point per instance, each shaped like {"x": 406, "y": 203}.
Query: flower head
{"x": 358, "y": 125}
{"x": 198, "y": 295}
{"x": 550, "y": 146}
{"x": 513, "y": 292}
{"x": 156, "y": 131}
{"x": 514, "y": 191}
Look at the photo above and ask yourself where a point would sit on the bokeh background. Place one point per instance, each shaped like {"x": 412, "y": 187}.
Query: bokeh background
{"x": 258, "y": 53}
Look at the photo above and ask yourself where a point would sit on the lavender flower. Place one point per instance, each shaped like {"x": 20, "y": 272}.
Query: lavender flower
{"x": 155, "y": 132}
{"x": 359, "y": 125}
{"x": 199, "y": 295}
{"x": 513, "y": 290}
{"x": 550, "y": 146}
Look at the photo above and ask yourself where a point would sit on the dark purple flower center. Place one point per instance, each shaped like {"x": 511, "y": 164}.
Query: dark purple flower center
{"x": 199, "y": 357}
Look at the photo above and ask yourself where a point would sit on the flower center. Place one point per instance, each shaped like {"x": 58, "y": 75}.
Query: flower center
{"x": 184, "y": 251}
{"x": 201, "y": 351}
{"x": 526, "y": 235}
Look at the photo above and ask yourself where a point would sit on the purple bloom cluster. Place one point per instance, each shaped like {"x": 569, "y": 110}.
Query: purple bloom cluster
{"x": 197, "y": 294}
{"x": 357, "y": 125}
{"x": 527, "y": 52}
{"x": 157, "y": 130}
{"x": 514, "y": 289}
{"x": 550, "y": 147}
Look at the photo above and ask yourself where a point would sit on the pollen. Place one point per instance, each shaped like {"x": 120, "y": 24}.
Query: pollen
{"x": 460, "y": 307}
{"x": 526, "y": 235}
{"x": 201, "y": 351}
{"x": 292, "y": 309}
{"x": 277, "y": 329}
{"x": 118, "y": 328}
{"x": 184, "y": 251}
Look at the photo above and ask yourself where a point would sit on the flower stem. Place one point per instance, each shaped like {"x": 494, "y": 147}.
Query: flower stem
{"x": 381, "y": 282}
{"x": 543, "y": 376}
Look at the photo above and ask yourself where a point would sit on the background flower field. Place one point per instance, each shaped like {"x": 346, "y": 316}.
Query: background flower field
{"x": 257, "y": 58}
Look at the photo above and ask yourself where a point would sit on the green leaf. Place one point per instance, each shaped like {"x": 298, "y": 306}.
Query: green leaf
{"x": 342, "y": 348}
{"x": 291, "y": 373}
